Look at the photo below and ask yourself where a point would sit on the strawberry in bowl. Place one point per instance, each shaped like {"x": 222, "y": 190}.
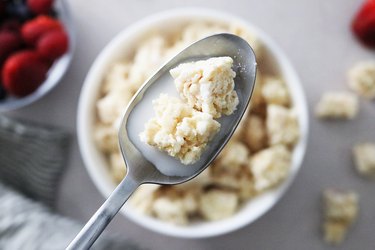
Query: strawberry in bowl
{"x": 35, "y": 42}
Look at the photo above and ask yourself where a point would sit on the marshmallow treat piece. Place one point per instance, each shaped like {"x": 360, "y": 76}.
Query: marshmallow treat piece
{"x": 207, "y": 85}
{"x": 179, "y": 130}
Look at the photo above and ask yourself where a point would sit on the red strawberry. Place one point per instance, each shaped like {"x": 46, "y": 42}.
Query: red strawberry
{"x": 34, "y": 29}
{"x": 363, "y": 24}
{"x": 40, "y": 6}
{"x": 53, "y": 45}
{"x": 23, "y": 72}
{"x": 9, "y": 42}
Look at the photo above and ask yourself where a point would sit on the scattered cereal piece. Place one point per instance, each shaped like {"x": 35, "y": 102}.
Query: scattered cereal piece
{"x": 270, "y": 166}
{"x": 282, "y": 125}
{"x": 179, "y": 130}
{"x": 340, "y": 211}
{"x": 342, "y": 105}
{"x": 334, "y": 232}
{"x": 364, "y": 159}
{"x": 218, "y": 204}
{"x": 362, "y": 79}
{"x": 207, "y": 85}
{"x": 274, "y": 91}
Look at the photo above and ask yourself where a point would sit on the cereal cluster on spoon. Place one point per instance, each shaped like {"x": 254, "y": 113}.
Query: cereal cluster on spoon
{"x": 183, "y": 127}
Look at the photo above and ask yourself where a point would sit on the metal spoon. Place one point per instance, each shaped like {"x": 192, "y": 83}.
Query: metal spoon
{"x": 139, "y": 169}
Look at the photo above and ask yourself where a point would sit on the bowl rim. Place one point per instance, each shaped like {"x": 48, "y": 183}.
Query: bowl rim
{"x": 57, "y": 70}
{"x": 87, "y": 103}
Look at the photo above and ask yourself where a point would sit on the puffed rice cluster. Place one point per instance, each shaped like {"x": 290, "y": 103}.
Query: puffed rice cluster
{"x": 340, "y": 212}
{"x": 257, "y": 158}
{"x": 341, "y": 208}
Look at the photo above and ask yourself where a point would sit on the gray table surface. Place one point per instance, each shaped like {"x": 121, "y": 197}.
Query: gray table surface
{"x": 316, "y": 37}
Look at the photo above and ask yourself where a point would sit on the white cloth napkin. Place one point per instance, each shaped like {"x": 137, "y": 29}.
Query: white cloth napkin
{"x": 32, "y": 159}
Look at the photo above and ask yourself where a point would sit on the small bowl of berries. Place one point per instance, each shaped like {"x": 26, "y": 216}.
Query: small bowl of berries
{"x": 36, "y": 48}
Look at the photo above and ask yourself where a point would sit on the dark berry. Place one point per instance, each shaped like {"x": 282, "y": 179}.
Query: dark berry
{"x": 19, "y": 10}
{"x": 2, "y": 9}
{"x": 11, "y": 24}
{"x": 3, "y": 93}
{"x": 9, "y": 43}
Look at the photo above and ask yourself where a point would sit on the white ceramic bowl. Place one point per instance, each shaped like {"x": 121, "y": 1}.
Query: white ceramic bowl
{"x": 122, "y": 46}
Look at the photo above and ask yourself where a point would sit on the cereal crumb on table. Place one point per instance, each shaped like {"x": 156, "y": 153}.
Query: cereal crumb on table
{"x": 337, "y": 104}
{"x": 270, "y": 167}
{"x": 178, "y": 129}
{"x": 334, "y": 232}
{"x": 364, "y": 159}
{"x": 207, "y": 85}
{"x": 282, "y": 125}
{"x": 218, "y": 204}
{"x": 340, "y": 212}
{"x": 362, "y": 79}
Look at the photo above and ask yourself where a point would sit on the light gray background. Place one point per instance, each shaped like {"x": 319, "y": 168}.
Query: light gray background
{"x": 316, "y": 37}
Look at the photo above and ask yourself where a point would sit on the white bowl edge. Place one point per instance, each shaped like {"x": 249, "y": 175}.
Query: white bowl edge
{"x": 95, "y": 162}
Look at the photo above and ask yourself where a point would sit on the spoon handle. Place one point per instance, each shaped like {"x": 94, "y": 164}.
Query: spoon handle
{"x": 99, "y": 221}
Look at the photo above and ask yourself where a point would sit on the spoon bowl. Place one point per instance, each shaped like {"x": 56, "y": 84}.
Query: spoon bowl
{"x": 162, "y": 168}
{"x": 141, "y": 167}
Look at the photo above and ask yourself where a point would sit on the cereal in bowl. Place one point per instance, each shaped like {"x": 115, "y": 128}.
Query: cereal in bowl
{"x": 257, "y": 158}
